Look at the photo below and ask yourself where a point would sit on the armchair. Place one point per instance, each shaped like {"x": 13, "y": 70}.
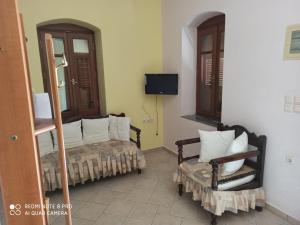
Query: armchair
{"x": 212, "y": 185}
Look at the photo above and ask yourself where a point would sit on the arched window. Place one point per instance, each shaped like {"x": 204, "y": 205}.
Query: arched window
{"x": 210, "y": 58}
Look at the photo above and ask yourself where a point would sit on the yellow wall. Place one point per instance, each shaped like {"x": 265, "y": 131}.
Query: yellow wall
{"x": 131, "y": 43}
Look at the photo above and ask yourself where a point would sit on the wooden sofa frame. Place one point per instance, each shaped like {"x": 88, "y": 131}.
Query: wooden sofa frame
{"x": 137, "y": 131}
{"x": 258, "y": 141}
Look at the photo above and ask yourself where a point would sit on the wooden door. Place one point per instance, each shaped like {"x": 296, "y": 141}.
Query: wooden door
{"x": 78, "y": 83}
{"x": 84, "y": 74}
{"x": 20, "y": 180}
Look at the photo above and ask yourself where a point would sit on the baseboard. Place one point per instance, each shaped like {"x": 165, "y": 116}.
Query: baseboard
{"x": 152, "y": 149}
{"x": 169, "y": 150}
{"x": 158, "y": 149}
{"x": 282, "y": 215}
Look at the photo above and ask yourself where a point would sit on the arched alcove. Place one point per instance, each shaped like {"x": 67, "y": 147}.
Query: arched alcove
{"x": 99, "y": 53}
{"x": 189, "y": 61}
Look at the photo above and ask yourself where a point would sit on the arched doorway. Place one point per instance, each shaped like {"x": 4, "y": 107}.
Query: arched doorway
{"x": 78, "y": 83}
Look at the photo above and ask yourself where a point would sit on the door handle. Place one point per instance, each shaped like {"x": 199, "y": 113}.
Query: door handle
{"x": 74, "y": 81}
{"x": 61, "y": 84}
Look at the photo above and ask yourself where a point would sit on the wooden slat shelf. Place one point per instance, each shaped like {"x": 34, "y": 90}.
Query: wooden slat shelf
{"x": 43, "y": 125}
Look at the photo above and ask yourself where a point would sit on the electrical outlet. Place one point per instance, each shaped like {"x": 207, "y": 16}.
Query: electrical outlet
{"x": 289, "y": 159}
{"x": 148, "y": 120}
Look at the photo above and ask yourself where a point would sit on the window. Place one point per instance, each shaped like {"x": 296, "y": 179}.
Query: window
{"x": 210, "y": 58}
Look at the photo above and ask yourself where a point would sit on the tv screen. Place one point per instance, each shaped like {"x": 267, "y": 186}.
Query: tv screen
{"x": 161, "y": 84}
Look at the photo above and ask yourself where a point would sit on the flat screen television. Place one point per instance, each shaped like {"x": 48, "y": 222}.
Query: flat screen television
{"x": 161, "y": 84}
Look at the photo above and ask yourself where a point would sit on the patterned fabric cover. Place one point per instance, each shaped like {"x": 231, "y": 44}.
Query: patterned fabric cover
{"x": 196, "y": 178}
{"x": 90, "y": 162}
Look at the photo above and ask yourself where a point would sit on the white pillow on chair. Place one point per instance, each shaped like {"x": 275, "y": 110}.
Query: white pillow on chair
{"x": 214, "y": 144}
{"x": 119, "y": 128}
{"x": 239, "y": 145}
{"x": 72, "y": 135}
{"x": 95, "y": 130}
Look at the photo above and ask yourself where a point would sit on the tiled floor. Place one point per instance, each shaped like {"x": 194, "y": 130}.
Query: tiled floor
{"x": 147, "y": 199}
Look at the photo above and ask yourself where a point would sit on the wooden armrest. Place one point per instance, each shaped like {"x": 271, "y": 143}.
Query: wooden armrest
{"x": 180, "y": 144}
{"x": 216, "y": 162}
{"x": 138, "y": 135}
{"x": 234, "y": 157}
{"x": 135, "y": 129}
{"x": 187, "y": 141}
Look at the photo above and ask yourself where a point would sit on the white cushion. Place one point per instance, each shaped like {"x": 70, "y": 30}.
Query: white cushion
{"x": 45, "y": 143}
{"x": 72, "y": 135}
{"x": 235, "y": 183}
{"x": 214, "y": 144}
{"x": 239, "y": 145}
{"x": 119, "y": 128}
{"x": 95, "y": 130}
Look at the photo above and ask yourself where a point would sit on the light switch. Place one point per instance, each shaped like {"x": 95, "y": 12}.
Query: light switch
{"x": 289, "y": 99}
{"x": 297, "y": 100}
{"x": 288, "y": 103}
{"x": 297, "y": 104}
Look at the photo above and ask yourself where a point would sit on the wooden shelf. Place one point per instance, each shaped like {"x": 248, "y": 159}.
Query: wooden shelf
{"x": 43, "y": 125}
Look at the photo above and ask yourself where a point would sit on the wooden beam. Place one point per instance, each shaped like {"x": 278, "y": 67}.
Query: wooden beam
{"x": 20, "y": 179}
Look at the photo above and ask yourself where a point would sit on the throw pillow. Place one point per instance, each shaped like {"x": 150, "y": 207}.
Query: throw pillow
{"x": 72, "y": 135}
{"x": 95, "y": 130}
{"x": 239, "y": 145}
{"x": 119, "y": 128}
{"x": 214, "y": 144}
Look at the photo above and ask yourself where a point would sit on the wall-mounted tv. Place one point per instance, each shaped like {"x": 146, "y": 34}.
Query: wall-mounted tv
{"x": 161, "y": 84}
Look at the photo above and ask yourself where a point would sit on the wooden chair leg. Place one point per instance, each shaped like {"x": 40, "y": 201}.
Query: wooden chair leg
{"x": 259, "y": 208}
{"x": 180, "y": 187}
{"x": 139, "y": 171}
{"x": 213, "y": 219}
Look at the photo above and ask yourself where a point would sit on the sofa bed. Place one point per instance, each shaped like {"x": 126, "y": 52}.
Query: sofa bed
{"x": 96, "y": 147}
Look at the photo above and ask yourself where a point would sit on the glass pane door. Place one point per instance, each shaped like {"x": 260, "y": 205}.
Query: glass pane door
{"x": 59, "y": 51}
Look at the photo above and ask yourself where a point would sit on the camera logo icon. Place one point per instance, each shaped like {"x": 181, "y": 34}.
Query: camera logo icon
{"x": 15, "y": 209}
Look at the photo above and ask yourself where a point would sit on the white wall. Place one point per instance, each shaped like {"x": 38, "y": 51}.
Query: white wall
{"x": 256, "y": 79}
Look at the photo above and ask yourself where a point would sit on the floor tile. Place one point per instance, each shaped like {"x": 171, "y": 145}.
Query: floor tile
{"x": 139, "y": 195}
{"x": 163, "y": 219}
{"x": 162, "y": 198}
{"x": 143, "y": 211}
{"x": 110, "y": 219}
{"x": 90, "y": 211}
{"x": 120, "y": 207}
{"x": 134, "y": 221}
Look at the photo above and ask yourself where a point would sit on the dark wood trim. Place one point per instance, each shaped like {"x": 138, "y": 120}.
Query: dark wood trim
{"x": 212, "y": 21}
{"x": 187, "y": 141}
{"x": 64, "y": 27}
{"x": 138, "y": 135}
{"x": 234, "y": 157}
{"x": 236, "y": 177}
